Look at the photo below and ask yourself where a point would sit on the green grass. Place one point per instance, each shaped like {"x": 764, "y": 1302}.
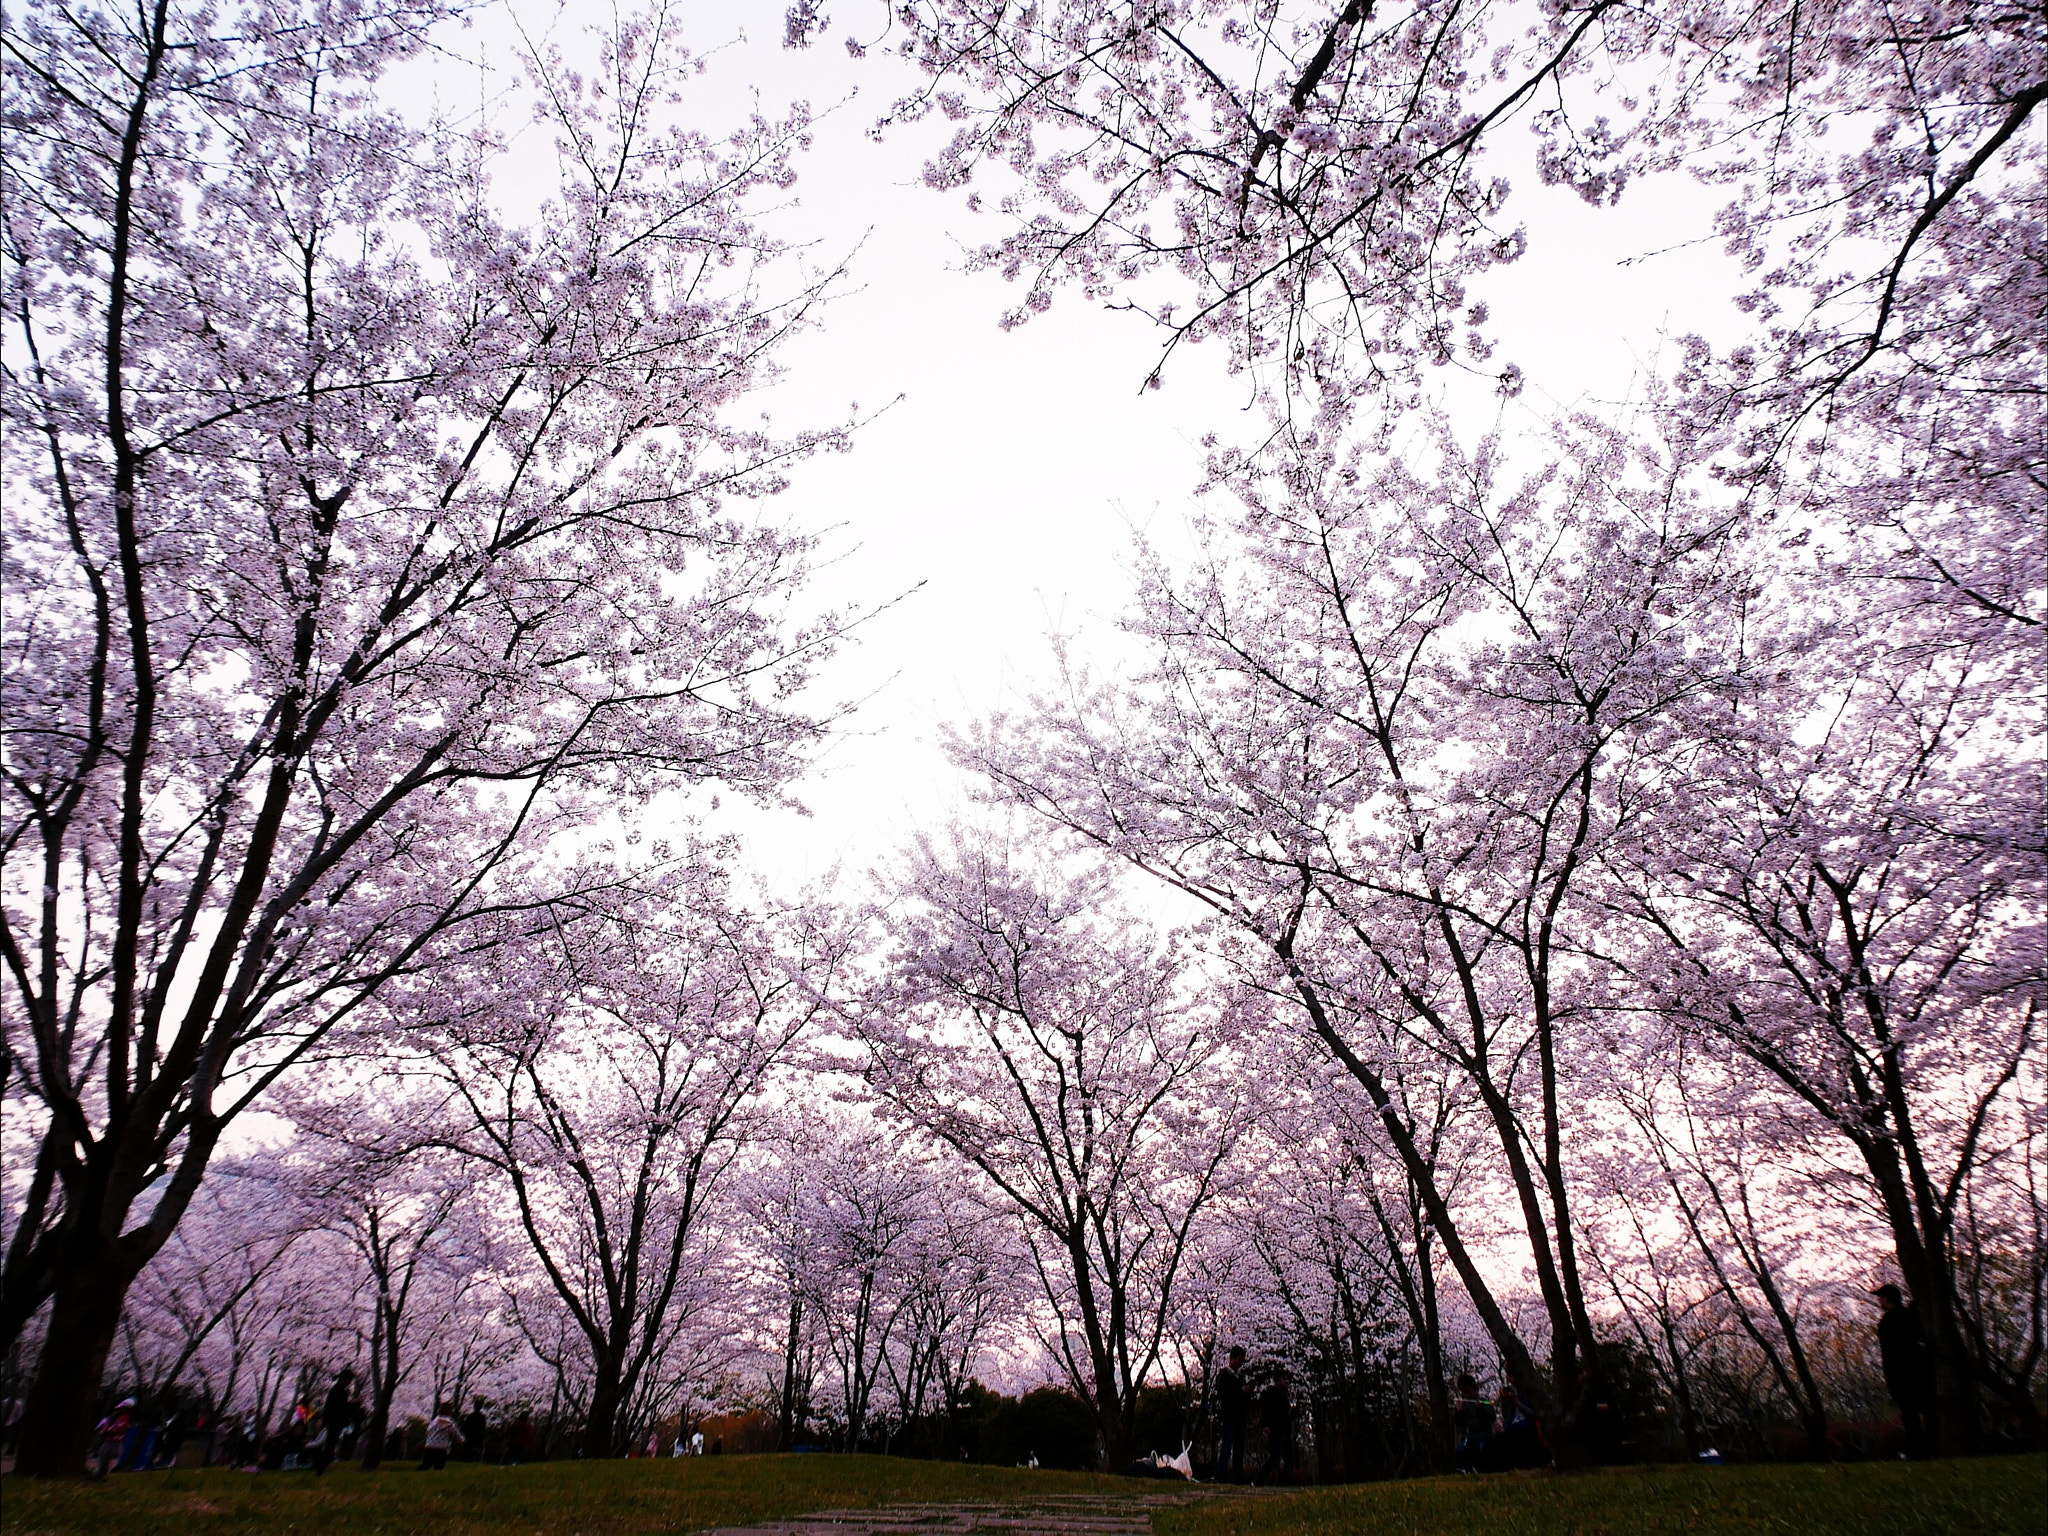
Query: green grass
{"x": 553, "y": 1499}
{"x": 614, "y": 1498}
{"x": 2002, "y": 1494}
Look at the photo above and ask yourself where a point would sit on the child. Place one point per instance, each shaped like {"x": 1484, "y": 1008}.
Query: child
{"x": 443, "y": 1435}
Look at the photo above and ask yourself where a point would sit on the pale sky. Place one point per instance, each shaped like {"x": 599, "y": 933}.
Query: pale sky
{"x": 1005, "y": 482}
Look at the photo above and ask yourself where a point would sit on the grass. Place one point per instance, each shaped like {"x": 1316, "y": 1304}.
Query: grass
{"x": 593, "y": 1498}
{"x": 614, "y": 1498}
{"x": 1940, "y": 1498}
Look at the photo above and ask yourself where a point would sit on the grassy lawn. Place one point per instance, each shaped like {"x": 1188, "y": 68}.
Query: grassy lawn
{"x": 614, "y": 1498}
{"x": 552, "y": 1499}
{"x": 2003, "y": 1494}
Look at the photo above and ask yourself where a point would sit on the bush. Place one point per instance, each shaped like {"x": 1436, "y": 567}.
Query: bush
{"x": 1048, "y": 1422}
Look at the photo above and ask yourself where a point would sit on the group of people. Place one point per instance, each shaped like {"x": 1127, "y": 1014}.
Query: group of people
{"x": 131, "y": 1440}
{"x": 468, "y": 1438}
{"x": 1491, "y": 1435}
{"x": 1495, "y": 1436}
{"x": 309, "y": 1439}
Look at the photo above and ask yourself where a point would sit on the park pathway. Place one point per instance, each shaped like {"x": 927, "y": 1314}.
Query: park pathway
{"x": 1074, "y": 1514}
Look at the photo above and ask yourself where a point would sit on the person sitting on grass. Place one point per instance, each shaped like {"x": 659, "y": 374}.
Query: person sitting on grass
{"x": 443, "y": 1435}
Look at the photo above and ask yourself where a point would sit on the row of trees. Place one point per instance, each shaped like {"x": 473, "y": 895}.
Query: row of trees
{"x": 1621, "y": 848}
{"x": 994, "y": 1151}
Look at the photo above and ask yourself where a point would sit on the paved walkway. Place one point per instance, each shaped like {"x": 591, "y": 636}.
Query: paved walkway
{"x": 1074, "y": 1514}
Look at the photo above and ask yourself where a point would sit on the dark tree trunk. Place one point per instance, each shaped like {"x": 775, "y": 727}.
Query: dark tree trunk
{"x": 58, "y": 1418}
{"x": 600, "y": 1429}
{"x": 385, "y": 1389}
{"x": 1443, "y": 1434}
{"x": 788, "y": 1426}
{"x": 1926, "y": 1268}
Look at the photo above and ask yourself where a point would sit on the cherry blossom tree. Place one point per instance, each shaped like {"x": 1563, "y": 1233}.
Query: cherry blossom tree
{"x": 194, "y": 1300}
{"x": 777, "y": 1204}
{"x": 967, "y": 1287}
{"x": 1852, "y": 901}
{"x": 870, "y": 1205}
{"x": 1718, "y": 1154}
{"x": 1311, "y": 188}
{"x": 369, "y": 1169}
{"x": 1050, "y": 1040}
{"x": 611, "y": 1075}
{"x": 359, "y": 540}
{"x": 1389, "y": 725}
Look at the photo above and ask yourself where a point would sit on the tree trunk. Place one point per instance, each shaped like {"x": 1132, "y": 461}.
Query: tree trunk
{"x": 1113, "y": 1432}
{"x": 58, "y": 1418}
{"x": 385, "y": 1390}
{"x": 1929, "y": 1275}
{"x": 600, "y": 1429}
{"x": 788, "y": 1427}
{"x": 1442, "y": 1432}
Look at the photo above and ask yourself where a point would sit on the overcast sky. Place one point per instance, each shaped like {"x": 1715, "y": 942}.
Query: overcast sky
{"x": 1001, "y": 488}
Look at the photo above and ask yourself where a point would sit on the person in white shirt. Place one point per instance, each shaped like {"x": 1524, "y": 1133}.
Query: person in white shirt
{"x": 443, "y": 1435}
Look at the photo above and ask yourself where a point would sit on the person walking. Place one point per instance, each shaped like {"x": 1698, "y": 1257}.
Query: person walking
{"x": 1231, "y": 1401}
{"x": 1276, "y": 1412}
{"x": 443, "y": 1435}
{"x": 1473, "y": 1418}
{"x": 1908, "y": 1368}
{"x": 113, "y": 1435}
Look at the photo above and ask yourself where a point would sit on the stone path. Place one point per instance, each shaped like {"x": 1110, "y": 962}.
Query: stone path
{"x": 1076, "y": 1514}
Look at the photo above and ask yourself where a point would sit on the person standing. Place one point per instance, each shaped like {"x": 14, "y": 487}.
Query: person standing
{"x": 1908, "y": 1369}
{"x": 1276, "y": 1412}
{"x": 1231, "y": 1399}
{"x": 443, "y": 1435}
{"x": 337, "y": 1418}
{"x": 1518, "y": 1442}
{"x": 1473, "y": 1419}
{"x": 519, "y": 1442}
{"x": 475, "y": 1427}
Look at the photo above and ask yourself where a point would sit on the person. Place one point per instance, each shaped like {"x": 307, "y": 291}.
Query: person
{"x": 519, "y": 1446}
{"x": 139, "y": 1448}
{"x": 681, "y": 1448}
{"x": 113, "y": 1433}
{"x": 443, "y": 1435}
{"x": 1276, "y": 1412}
{"x": 240, "y": 1442}
{"x": 1908, "y": 1369}
{"x": 1518, "y": 1443}
{"x": 337, "y": 1417}
{"x": 474, "y": 1428}
{"x": 1230, "y": 1406}
{"x": 1472, "y": 1416}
